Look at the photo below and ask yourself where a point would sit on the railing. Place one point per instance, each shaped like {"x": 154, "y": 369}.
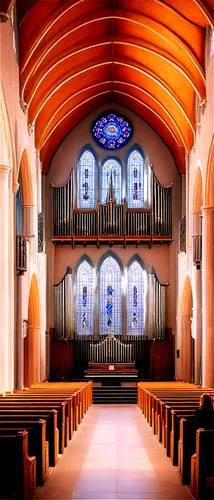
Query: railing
{"x": 182, "y": 234}
{"x": 40, "y": 232}
{"x": 111, "y": 221}
{"x": 21, "y": 253}
{"x": 197, "y": 250}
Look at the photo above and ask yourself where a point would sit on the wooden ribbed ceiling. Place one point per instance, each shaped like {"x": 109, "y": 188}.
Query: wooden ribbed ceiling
{"x": 76, "y": 55}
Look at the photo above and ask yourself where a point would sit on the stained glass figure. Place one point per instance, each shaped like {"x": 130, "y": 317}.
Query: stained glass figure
{"x": 112, "y": 130}
{"x": 85, "y": 299}
{"x": 135, "y": 180}
{"x": 135, "y": 299}
{"x": 111, "y": 175}
{"x": 86, "y": 180}
{"x": 110, "y": 297}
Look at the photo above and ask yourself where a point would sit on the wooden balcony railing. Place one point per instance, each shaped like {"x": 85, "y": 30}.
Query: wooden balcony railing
{"x": 21, "y": 253}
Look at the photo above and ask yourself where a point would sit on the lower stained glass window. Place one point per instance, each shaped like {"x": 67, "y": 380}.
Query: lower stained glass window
{"x": 85, "y": 299}
{"x": 110, "y": 297}
{"x": 135, "y": 299}
{"x": 111, "y": 178}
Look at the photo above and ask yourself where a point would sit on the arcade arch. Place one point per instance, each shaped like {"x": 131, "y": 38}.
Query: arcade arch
{"x": 32, "y": 341}
{"x": 187, "y": 352}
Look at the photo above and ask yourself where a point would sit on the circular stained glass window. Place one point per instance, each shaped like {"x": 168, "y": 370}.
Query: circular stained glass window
{"x": 112, "y": 130}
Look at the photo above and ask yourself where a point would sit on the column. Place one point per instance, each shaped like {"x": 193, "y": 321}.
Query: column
{"x": 197, "y": 322}
{"x": 208, "y": 296}
{"x": 186, "y": 348}
{"x": 4, "y": 275}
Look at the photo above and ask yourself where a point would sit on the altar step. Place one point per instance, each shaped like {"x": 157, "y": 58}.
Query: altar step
{"x": 114, "y": 395}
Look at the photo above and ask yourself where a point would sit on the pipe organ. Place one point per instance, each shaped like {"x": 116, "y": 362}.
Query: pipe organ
{"x": 112, "y": 220}
{"x": 63, "y": 307}
{"x": 156, "y": 306}
{"x": 111, "y": 350}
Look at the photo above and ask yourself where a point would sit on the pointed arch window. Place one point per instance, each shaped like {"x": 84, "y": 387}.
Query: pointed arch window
{"x": 110, "y": 297}
{"x": 85, "y": 299}
{"x": 135, "y": 179}
{"x": 86, "y": 180}
{"x": 136, "y": 283}
{"x": 111, "y": 181}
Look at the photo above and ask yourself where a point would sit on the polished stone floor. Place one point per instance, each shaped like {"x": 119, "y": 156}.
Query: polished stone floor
{"x": 114, "y": 455}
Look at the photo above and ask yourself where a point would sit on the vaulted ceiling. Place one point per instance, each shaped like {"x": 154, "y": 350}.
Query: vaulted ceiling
{"x": 148, "y": 56}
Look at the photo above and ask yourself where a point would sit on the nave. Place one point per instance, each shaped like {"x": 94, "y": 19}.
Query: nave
{"x": 114, "y": 455}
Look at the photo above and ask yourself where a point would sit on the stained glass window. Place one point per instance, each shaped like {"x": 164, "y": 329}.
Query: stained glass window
{"x": 85, "y": 299}
{"x": 19, "y": 210}
{"x": 135, "y": 180}
{"x": 110, "y": 297}
{"x": 112, "y": 130}
{"x": 86, "y": 180}
{"x": 111, "y": 181}
{"x": 135, "y": 299}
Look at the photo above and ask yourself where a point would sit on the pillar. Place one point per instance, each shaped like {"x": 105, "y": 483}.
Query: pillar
{"x": 186, "y": 348}
{"x": 4, "y": 276}
{"x": 208, "y": 296}
{"x": 197, "y": 322}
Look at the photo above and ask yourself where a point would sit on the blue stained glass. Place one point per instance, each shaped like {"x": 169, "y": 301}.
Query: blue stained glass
{"x": 135, "y": 180}
{"x": 112, "y": 130}
{"x": 110, "y": 297}
{"x": 85, "y": 299}
{"x": 86, "y": 180}
{"x": 111, "y": 173}
{"x": 135, "y": 299}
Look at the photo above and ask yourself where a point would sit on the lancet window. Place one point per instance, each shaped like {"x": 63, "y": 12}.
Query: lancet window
{"x": 135, "y": 179}
{"x": 86, "y": 180}
{"x": 110, "y": 297}
{"x": 136, "y": 284}
{"x": 85, "y": 299}
{"x": 111, "y": 181}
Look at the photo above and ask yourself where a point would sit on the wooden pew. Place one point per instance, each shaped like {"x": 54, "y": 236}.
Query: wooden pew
{"x": 176, "y": 416}
{"x": 52, "y": 432}
{"x": 37, "y": 444}
{"x": 18, "y": 469}
{"x": 60, "y": 407}
{"x": 186, "y": 448}
{"x": 202, "y": 466}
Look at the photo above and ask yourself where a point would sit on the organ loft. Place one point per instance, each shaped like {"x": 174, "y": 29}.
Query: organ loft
{"x": 107, "y": 255}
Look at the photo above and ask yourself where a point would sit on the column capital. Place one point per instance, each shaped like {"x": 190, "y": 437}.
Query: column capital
{"x": 15, "y": 187}
{"x": 206, "y": 208}
{"x": 4, "y": 17}
{"x": 5, "y": 169}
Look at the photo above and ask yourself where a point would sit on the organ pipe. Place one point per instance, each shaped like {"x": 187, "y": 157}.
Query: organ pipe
{"x": 63, "y": 307}
{"x": 111, "y": 350}
{"x": 156, "y": 306}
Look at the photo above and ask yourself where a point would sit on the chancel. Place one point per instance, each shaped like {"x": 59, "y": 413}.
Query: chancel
{"x": 107, "y": 255}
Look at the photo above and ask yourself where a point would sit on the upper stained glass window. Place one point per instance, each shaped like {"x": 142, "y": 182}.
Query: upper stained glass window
{"x": 135, "y": 299}
{"x": 111, "y": 181}
{"x": 86, "y": 180}
{"x": 135, "y": 180}
{"x": 112, "y": 130}
{"x": 110, "y": 297}
{"x": 85, "y": 299}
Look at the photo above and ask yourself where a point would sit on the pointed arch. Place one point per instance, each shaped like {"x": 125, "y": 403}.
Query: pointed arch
{"x": 111, "y": 175}
{"x": 197, "y": 191}
{"x": 209, "y": 186}
{"x": 110, "y": 294}
{"x": 187, "y": 348}
{"x": 26, "y": 179}
{"x": 85, "y": 283}
{"x": 86, "y": 178}
{"x": 32, "y": 342}
{"x": 136, "y": 288}
{"x": 136, "y": 169}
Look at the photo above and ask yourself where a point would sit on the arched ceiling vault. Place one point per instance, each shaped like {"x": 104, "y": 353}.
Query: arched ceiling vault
{"x": 76, "y": 55}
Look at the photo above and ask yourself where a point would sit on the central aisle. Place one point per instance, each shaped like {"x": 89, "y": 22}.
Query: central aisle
{"x": 114, "y": 455}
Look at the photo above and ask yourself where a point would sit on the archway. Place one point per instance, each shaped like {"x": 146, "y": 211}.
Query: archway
{"x": 187, "y": 343}
{"x": 25, "y": 178}
{"x": 33, "y": 338}
{"x": 208, "y": 274}
{"x": 197, "y": 273}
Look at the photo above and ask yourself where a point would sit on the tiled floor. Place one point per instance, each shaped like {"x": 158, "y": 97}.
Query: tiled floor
{"x": 114, "y": 455}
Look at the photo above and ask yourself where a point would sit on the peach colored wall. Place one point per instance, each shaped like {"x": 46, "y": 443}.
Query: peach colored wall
{"x": 162, "y": 258}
